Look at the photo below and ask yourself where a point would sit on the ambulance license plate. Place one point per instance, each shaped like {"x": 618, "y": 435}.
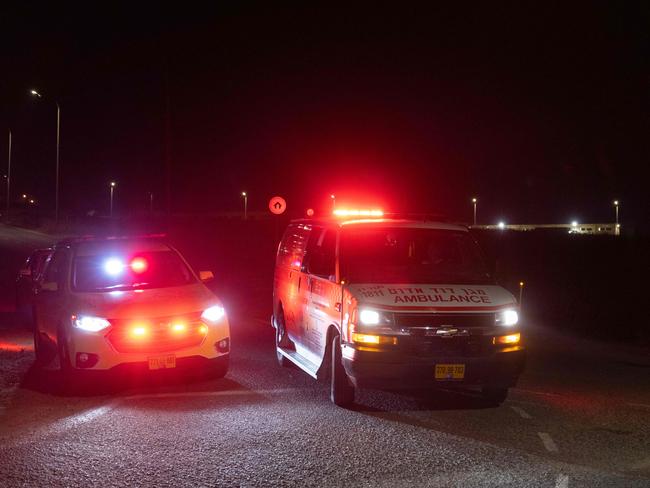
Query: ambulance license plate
{"x": 450, "y": 371}
{"x": 162, "y": 362}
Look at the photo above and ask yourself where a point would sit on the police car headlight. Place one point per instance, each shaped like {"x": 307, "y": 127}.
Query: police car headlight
{"x": 213, "y": 314}
{"x": 507, "y": 318}
{"x": 89, "y": 323}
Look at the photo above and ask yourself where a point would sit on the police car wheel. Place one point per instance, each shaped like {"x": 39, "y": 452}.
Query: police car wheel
{"x": 281, "y": 340}
{"x": 494, "y": 395}
{"x": 65, "y": 364}
{"x": 341, "y": 390}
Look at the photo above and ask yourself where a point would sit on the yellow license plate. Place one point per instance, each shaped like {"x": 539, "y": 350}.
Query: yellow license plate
{"x": 162, "y": 362}
{"x": 450, "y": 371}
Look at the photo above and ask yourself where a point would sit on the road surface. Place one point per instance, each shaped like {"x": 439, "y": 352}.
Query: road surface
{"x": 580, "y": 416}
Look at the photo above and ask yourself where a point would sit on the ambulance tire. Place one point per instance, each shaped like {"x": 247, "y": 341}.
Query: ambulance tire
{"x": 494, "y": 395}
{"x": 341, "y": 390}
{"x": 281, "y": 339}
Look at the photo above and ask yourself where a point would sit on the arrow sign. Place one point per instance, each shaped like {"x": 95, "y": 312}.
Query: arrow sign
{"x": 277, "y": 205}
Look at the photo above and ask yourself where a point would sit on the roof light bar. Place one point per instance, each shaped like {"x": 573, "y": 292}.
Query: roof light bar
{"x": 345, "y": 212}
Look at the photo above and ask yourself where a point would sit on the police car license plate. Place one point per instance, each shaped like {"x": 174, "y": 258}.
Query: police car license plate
{"x": 162, "y": 362}
{"x": 450, "y": 371}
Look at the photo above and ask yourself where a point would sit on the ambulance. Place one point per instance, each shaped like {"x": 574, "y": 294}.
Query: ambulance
{"x": 366, "y": 301}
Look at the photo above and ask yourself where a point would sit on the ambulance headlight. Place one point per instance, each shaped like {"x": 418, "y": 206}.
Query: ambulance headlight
{"x": 507, "y": 318}
{"x": 368, "y": 316}
{"x": 213, "y": 314}
{"x": 89, "y": 323}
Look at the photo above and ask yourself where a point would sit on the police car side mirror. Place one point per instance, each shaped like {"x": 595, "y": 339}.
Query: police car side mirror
{"x": 206, "y": 276}
{"x": 50, "y": 286}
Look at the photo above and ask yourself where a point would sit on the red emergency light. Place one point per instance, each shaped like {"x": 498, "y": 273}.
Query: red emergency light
{"x": 347, "y": 212}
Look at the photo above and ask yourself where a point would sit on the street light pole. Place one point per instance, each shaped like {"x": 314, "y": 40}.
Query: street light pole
{"x": 474, "y": 201}
{"x": 616, "y": 209}
{"x": 112, "y": 188}
{"x": 37, "y": 94}
{"x": 243, "y": 194}
{"x": 8, "y": 179}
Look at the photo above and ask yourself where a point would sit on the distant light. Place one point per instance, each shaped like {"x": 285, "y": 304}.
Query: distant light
{"x": 112, "y": 183}
{"x": 502, "y": 225}
{"x": 35, "y": 93}
{"x": 113, "y": 266}
{"x": 574, "y": 223}
{"x": 521, "y": 284}
{"x": 243, "y": 194}
{"x": 474, "y": 200}
{"x": 24, "y": 196}
{"x": 332, "y": 197}
{"x": 343, "y": 212}
{"x": 616, "y": 202}
{"x": 31, "y": 200}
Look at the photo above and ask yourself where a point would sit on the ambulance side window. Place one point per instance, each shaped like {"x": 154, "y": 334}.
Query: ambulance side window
{"x": 321, "y": 260}
{"x": 292, "y": 247}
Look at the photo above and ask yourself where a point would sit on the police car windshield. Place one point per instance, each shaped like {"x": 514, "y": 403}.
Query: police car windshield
{"x": 112, "y": 271}
{"x": 409, "y": 255}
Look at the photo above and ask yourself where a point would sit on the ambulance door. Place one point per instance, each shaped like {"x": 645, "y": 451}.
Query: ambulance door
{"x": 324, "y": 292}
{"x": 289, "y": 279}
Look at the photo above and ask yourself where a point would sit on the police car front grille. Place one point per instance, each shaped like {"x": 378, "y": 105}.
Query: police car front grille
{"x": 160, "y": 337}
{"x": 408, "y": 320}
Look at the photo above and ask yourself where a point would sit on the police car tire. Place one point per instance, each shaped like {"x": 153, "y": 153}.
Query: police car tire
{"x": 341, "y": 390}
{"x": 65, "y": 364}
{"x": 494, "y": 395}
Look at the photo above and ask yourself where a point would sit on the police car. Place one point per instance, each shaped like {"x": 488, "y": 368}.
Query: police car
{"x": 112, "y": 302}
{"x": 368, "y": 301}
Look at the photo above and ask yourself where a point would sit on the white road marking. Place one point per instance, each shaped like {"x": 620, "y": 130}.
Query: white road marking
{"x": 562, "y": 481}
{"x": 145, "y": 396}
{"x": 522, "y": 413}
{"x": 543, "y": 393}
{"x": 548, "y": 442}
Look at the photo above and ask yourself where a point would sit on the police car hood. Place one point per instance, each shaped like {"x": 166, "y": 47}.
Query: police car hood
{"x": 155, "y": 302}
{"x": 446, "y": 297}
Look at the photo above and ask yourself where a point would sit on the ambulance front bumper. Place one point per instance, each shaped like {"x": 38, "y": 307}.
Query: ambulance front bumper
{"x": 393, "y": 370}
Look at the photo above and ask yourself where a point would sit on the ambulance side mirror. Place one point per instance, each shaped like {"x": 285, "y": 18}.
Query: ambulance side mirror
{"x": 206, "y": 276}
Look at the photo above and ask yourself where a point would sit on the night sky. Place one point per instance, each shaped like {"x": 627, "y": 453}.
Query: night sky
{"x": 539, "y": 110}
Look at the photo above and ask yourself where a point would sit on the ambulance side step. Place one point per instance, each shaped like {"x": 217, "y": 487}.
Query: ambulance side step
{"x": 303, "y": 363}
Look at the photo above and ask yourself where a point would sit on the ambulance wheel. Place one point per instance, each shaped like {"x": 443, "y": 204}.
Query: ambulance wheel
{"x": 494, "y": 395}
{"x": 281, "y": 339}
{"x": 341, "y": 390}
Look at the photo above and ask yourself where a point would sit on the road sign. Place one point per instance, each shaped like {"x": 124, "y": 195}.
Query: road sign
{"x": 277, "y": 205}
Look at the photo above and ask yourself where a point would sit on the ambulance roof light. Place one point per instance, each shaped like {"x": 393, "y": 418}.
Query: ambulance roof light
{"x": 346, "y": 212}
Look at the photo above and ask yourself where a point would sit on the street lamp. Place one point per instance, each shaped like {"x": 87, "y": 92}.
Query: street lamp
{"x": 501, "y": 225}
{"x": 474, "y": 201}
{"x": 112, "y": 185}
{"x": 243, "y": 194}
{"x": 8, "y": 178}
{"x": 36, "y": 94}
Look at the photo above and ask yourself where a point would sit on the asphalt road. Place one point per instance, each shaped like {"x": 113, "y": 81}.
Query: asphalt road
{"x": 580, "y": 416}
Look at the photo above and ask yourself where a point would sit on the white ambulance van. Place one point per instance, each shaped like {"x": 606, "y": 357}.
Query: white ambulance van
{"x": 393, "y": 304}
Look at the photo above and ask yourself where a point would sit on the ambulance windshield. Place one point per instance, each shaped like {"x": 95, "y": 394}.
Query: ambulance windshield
{"x": 411, "y": 255}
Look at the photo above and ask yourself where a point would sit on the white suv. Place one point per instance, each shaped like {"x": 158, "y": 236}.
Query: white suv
{"x": 127, "y": 301}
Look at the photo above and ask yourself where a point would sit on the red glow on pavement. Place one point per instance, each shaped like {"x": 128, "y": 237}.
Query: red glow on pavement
{"x": 13, "y": 347}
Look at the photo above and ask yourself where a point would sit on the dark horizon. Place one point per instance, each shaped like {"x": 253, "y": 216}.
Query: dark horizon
{"x": 540, "y": 112}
